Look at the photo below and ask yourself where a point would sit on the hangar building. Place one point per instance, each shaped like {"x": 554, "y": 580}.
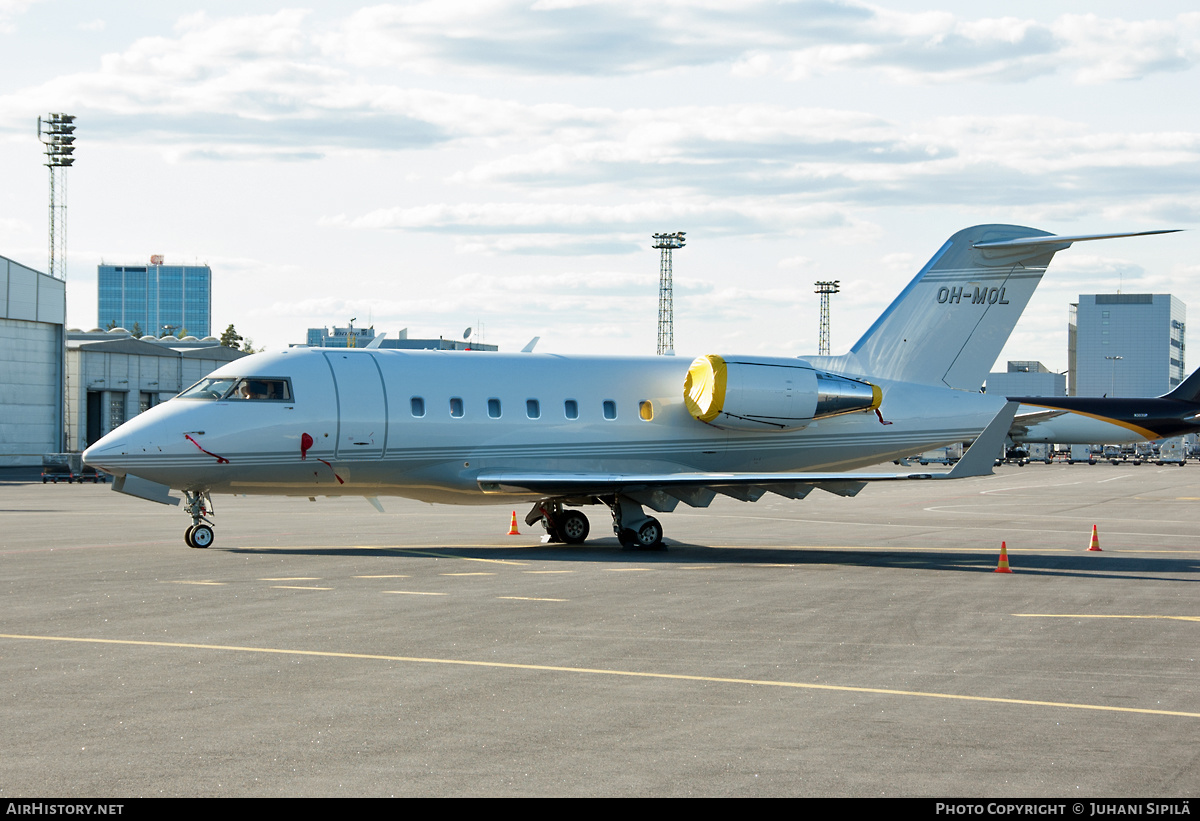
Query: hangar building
{"x": 112, "y": 377}
{"x": 32, "y": 312}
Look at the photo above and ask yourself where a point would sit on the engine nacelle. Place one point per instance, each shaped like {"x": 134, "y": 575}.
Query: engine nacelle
{"x": 762, "y": 393}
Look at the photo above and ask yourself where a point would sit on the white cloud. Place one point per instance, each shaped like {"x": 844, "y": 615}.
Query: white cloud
{"x": 10, "y": 10}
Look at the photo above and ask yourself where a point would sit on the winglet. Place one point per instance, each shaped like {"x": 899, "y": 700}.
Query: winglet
{"x": 377, "y": 341}
{"x": 980, "y": 458}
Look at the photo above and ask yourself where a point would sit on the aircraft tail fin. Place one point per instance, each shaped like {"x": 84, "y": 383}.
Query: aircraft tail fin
{"x": 1188, "y": 390}
{"x": 948, "y": 326}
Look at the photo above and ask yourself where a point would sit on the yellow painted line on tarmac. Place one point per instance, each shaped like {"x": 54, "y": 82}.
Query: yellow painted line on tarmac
{"x": 528, "y": 598}
{"x": 292, "y": 579}
{"x": 388, "y": 576}
{"x": 181, "y": 581}
{"x": 626, "y": 569}
{"x": 544, "y": 572}
{"x": 892, "y": 549}
{"x": 452, "y": 556}
{"x": 1101, "y": 616}
{"x": 705, "y": 566}
{"x": 546, "y": 668}
{"x": 297, "y": 587}
{"x": 478, "y": 573}
{"x": 412, "y": 593}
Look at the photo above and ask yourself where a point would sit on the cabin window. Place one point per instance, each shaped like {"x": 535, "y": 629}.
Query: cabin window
{"x": 456, "y": 407}
{"x": 571, "y": 409}
{"x": 646, "y": 409}
{"x": 610, "y": 409}
{"x": 494, "y": 408}
{"x": 418, "y": 406}
{"x": 533, "y": 409}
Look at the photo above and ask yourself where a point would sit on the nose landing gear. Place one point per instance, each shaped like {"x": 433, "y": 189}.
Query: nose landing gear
{"x": 199, "y": 506}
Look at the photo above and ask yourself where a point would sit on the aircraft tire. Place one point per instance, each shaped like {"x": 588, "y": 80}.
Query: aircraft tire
{"x": 649, "y": 535}
{"x": 573, "y": 527}
{"x": 201, "y": 536}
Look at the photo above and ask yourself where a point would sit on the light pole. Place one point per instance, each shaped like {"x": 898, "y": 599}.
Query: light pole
{"x": 666, "y": 291}
{"x": 56, "y": 132}
{"x": 825, "y": 289}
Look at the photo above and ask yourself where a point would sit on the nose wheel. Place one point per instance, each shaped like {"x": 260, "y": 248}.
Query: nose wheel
{"x": 200, "y": 534}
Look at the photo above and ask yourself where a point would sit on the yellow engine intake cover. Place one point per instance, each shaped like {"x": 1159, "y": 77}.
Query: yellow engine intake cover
{"x": 704, "y": 387}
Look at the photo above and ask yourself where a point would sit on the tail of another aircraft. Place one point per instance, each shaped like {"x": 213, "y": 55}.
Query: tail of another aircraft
{"x": 1188, "y": 390}
{"x": 948, "y": 326}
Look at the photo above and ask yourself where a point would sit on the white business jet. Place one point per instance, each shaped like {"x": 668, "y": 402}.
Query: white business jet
{"x": 563, "y": 432}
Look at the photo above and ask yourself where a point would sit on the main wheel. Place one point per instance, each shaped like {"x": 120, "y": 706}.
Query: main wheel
{"x": 573, "y": 527}
{"x": 649, "y": 535}
{"x": 201, "y": 536}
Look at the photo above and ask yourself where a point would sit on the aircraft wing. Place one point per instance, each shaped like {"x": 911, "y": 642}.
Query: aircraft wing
{"x": 1021, "y": 424}
{"x": 662, "y": 491}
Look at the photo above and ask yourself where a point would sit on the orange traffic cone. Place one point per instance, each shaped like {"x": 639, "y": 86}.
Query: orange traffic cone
{"x": 512, "y": 530}
{"x": 1095, "y": 541}
{"x": 1003, "y": 566}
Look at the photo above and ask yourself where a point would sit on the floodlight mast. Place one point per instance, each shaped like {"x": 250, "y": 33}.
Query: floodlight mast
{"x": 666, "y": 299}
{"x": 56, "y": 132}
{"x": 825, "y": 289}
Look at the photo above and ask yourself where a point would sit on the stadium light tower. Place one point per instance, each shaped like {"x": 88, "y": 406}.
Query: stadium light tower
{"x": 825, "y": 289}
{"x": 666, "y": 288}
{"x": 56, "y": 132}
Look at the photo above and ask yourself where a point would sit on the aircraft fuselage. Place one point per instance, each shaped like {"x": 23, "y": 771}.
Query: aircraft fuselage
{"x": 425, "y": 424}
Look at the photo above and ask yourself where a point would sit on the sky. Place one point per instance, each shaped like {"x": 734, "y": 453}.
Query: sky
{"x": 502, "y": 165}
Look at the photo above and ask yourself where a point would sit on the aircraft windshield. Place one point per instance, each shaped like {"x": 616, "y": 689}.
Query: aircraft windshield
{"x": 240, "y": 388}
{"x": 209, "y": 388}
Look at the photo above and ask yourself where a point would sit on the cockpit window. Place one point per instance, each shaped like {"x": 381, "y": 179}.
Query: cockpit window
{"x": 253, "y": 388}
{"x": 240, "y": 388}
{"x": 209, "y": 388}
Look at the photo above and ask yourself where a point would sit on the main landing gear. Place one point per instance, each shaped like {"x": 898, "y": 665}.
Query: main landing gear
{"x": 569, "y": 526}
{"x": 633, "y": 528}
{"x": 200, "y": 534}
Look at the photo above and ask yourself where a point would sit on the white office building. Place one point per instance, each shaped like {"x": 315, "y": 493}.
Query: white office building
{"x": 1027, "y": 378}
{"x": 1127, "y": 344}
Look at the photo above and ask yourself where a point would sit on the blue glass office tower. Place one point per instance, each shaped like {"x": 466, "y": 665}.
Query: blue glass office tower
{"x": 160, "y": 299}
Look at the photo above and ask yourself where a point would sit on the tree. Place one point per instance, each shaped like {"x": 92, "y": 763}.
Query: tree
{"x": 137, "y": 330}
{"x": 230, "y": 338}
